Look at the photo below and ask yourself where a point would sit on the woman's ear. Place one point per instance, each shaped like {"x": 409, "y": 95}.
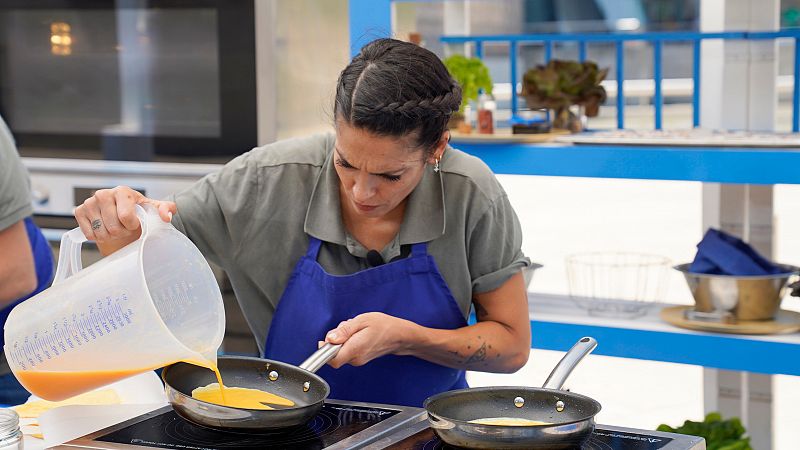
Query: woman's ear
{"x": 438, "y": 151}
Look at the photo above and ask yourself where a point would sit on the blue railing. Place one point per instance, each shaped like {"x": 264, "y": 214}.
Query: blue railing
{"x": 657, "y": 39}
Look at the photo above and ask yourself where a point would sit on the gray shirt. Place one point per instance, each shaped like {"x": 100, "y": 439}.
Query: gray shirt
{"x": 15, "y": 191}
{"x": 15, "y": 194}
{"x": 253, "y": 218}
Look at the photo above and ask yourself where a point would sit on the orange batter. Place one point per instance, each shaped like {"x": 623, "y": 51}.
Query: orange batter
{"x": 57, "y": 386}
{"x": 60, "y": 385}
{"x": 236, "y": 397}
{"x": 509, "y": 421}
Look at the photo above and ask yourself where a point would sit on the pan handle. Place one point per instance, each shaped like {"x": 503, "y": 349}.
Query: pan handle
{"x": 564, "y": 367}
{"x": 320, "y": 357}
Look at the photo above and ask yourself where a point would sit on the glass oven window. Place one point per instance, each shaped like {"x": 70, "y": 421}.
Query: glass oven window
{"x": 162, "y": 76}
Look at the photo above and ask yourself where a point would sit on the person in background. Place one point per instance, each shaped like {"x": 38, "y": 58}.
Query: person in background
{"x": 379, "y": 237}
{"x": 26, "y": 261}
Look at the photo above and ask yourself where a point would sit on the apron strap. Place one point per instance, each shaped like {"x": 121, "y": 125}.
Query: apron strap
{"x": 314, "y": 245}
{"x": 419, "y": 261}
{"x": 420, "y": 248}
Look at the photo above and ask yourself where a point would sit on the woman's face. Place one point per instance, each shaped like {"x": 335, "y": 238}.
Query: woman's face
{"x": 376, "y": 173}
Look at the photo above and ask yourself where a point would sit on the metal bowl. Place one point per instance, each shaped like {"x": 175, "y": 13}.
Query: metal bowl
{"x": 756, "y": 297}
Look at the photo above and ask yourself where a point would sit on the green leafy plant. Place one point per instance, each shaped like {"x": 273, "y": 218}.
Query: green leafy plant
{"x": 471, "y": 74}
{"x": 561, "y": 84}
{"x": 719, "y": 434}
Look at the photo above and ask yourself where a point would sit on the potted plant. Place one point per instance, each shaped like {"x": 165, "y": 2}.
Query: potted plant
{"x": 472, "y": 75}
{"x": 561, "y": 84}
{"x": 718, "y": 433}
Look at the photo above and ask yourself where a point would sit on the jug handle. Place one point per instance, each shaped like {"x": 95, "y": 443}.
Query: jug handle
{"x": 69, "y": 254}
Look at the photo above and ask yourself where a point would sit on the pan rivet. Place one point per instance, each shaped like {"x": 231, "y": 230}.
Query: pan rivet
{"x": 519, "y": 402}
{"x": 306, "y": 386}
{"x": 559, "y": 406}
{"x": 273, "y": 376}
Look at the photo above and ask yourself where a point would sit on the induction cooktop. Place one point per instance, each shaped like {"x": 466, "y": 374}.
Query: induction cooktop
{"x": 339, "y": 425}
{"x": 419, "y": 436}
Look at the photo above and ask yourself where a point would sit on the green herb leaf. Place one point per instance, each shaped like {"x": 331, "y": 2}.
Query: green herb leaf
{"x": 719, "y": 434}
{"x": 471, "y": 74}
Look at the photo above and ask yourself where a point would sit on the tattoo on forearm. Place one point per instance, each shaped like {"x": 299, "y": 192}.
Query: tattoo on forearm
{"x": 479, "y": 355}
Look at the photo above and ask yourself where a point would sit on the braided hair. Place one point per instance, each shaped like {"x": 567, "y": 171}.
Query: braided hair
{"x": 394, "y": 88}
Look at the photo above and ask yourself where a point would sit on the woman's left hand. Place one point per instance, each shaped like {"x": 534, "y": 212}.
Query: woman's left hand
{"x": 368, "y": 336}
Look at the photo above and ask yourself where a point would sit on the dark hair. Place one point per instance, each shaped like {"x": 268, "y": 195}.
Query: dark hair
{"x": 393, "y": 88}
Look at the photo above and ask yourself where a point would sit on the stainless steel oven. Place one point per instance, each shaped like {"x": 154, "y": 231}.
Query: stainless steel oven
{"x": 193, "y": 81}
{"x": 156, "y": 93}
{"x": 130, "y": 79}
{"x": 101, "y": 93}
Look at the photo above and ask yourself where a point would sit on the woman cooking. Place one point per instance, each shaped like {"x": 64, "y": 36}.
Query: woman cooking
{"x": 378, "y": 236}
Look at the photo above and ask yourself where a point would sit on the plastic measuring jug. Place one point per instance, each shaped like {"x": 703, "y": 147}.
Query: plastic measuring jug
{"x": 149, "y": 304}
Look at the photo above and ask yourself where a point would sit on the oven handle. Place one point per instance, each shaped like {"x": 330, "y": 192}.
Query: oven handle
{"x": 69, "y": 253}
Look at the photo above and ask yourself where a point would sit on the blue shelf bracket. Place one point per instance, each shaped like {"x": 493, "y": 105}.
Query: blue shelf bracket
{"x": 796, "y": 93}
{"x": 512, "y": 50}
{"x": 620, "y": 84}
{"x": 479, "y": 50}
{"x": 657, "y": 98}
{"x": 696, "y": 83}
{"x": 657, "y": 39}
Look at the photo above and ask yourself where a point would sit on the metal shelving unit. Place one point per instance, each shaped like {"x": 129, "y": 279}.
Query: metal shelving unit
{"x": 742, "y": 386}
{"x": 744, "y": 165}
{"x": 557, "y": 323}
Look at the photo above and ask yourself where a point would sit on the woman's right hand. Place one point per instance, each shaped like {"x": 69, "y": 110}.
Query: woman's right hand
{"x": 109, "y": 217}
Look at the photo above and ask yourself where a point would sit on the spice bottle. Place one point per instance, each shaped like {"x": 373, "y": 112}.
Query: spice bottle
{"x": 486, "y": 111}
{"x": 10, "y": 434}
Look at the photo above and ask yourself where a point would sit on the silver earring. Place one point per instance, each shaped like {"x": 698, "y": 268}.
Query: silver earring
{"x": 436, "y": 166}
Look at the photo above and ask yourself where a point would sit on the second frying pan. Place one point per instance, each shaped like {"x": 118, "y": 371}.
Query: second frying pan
{"x": 568, "y": 417}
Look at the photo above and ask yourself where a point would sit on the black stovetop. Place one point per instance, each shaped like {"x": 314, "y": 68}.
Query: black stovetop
{"x": 339, "y": 425}
{"x": 601, "y": 439}
{"x": 168, "y": 430}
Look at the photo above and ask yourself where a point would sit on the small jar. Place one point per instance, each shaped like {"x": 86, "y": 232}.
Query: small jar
{"x": 10, "y": 434}
{"x": 486, "y": 112}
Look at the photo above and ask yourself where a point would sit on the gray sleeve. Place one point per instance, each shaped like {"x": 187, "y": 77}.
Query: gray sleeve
{"x": 494, "y": 247}
{"x": 211, "y": 212}
{"x": 15, "y": 191}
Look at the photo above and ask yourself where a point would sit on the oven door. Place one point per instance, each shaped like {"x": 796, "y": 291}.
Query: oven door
{"x": 129, "y": 79}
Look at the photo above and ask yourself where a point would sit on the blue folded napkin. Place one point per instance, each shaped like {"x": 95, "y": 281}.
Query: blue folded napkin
{"x": 720, "y": 253}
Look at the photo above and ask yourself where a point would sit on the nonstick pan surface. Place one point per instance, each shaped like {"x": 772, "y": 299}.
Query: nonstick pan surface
{"x": 300, "y": 384}
{"x": 569, "y": 417}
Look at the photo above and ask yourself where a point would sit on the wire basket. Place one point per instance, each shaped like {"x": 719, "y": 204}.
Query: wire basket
{"x": 616, "y": 284}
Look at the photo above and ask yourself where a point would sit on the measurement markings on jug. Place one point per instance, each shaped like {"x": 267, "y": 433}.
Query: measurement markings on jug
{"x": 96, "y": 320}
{"x": 68, "y": 336}
{"x": 105, "y": 319}
{"x": 105, "y": 316}
{"x": 80, "y": 330}
{"x": 172, "y": 301}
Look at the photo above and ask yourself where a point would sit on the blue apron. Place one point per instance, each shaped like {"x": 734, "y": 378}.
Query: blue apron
{"x": 314, "y": 302}
{"x": 43, "y": 260}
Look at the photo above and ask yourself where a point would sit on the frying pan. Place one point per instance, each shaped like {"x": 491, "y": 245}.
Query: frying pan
{"x": 569, "y": 416}
{"x": 297, "y": 383}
